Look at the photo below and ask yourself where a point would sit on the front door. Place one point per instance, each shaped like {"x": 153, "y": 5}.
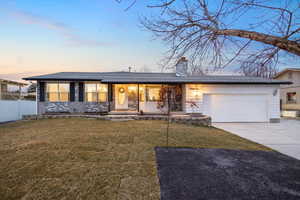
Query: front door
{"x": 121, "y": 97}
{"x": 126, "y": 97}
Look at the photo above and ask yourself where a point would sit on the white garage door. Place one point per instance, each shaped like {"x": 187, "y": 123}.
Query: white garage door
{"x": 236, "y": 108}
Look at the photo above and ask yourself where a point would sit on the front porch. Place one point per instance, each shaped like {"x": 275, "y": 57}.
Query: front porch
{"x": 144, "y": 98}
{"x": 94, "y": 98}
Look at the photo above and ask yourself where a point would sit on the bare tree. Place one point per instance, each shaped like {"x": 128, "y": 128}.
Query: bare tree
{"x": 130, "y": 5}
{"x": 250, "y": 34}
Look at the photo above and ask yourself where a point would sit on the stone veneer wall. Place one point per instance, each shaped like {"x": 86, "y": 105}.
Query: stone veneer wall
{"x": 198, "y": 121}
{"x": 70, "y": 107}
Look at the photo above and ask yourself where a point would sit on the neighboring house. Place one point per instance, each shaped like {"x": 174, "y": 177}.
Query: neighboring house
{"x": 290, "y": 94}
{"x": 10, "y": 90}
{"x": 224, "y": 98}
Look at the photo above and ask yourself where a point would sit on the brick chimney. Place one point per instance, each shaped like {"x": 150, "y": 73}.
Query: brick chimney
{"x": 182, "y": 67}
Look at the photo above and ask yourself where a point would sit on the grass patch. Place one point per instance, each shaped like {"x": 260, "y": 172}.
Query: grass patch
{"x": 93, "y": 159}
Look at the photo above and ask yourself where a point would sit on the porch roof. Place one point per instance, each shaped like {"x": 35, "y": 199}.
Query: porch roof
{"x": 140, "y": 77}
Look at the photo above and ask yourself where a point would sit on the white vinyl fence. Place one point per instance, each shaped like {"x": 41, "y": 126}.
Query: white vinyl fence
{"x": 14, "y": 110}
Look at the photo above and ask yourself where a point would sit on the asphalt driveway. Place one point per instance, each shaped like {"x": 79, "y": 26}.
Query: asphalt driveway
{"x": 283, "y": 137}
{"x": 223, "y": 174}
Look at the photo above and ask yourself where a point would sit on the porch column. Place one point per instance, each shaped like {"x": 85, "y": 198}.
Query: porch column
{"x": 76, "y": 91}
{"x": 138, "y": 97}
{"x": 110, "y": 96}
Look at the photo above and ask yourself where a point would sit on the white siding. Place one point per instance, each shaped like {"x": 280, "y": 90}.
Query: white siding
{"x": 271, "y": 91}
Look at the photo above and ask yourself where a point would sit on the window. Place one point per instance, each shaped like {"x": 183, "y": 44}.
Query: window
{"x": 142, "y": 93}
{"x": 153, "y": 93}
{"x": 291, "y": 97}
{"x": 95, "y": 92}
{"x": 58, "y": 92}
{"x": 195, "y": 92}
{"x": 132, "y": 93}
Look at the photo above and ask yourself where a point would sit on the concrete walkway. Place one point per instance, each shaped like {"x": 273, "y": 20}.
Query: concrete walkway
{"x": 283, "y": 137}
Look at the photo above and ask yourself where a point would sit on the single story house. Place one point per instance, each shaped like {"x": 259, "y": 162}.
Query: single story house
{"x": 224, "y": 98}
{"x": 11, "y": 90}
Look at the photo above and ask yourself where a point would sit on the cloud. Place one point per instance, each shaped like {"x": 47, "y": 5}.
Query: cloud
{"x": 66, "y": 32}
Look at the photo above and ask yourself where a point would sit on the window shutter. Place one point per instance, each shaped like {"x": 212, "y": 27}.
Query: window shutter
{"x": 81, "y": 91}
{"x": 72, "y": 91}
{"x": 42, "y": 91}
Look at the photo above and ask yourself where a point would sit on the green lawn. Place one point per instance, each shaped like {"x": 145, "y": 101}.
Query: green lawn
{"x": 94, "y": 159}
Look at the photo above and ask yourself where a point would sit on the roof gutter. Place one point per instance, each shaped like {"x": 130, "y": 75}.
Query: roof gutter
{"x": 166, "y": 81}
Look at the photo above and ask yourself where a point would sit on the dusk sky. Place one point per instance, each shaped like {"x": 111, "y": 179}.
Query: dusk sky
{"x": 39, "y": 37}
{"x": 86, "y": 35}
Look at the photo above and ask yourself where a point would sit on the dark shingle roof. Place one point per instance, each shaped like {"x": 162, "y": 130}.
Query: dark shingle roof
{"x": 140, "y": 77}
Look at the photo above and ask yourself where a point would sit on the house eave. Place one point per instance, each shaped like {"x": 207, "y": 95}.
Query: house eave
{"x": 200, "y": 82}
{"x": 169, "y": 81}
{"x": 59, "y": 79}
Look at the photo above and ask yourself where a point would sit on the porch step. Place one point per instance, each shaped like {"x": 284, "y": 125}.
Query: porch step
{"x": 121, "y": 119}
{"x": 123, "y": 113}
{"x": 177, "y": 113}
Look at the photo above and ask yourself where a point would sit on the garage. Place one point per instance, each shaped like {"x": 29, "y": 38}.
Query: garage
{"x": 237, "y": 107}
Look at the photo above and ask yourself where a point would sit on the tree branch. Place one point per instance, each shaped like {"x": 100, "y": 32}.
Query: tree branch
{"x": 166, "y": 4}
{"x": 216, "y": 35}
{"x": 280, "y": 42}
